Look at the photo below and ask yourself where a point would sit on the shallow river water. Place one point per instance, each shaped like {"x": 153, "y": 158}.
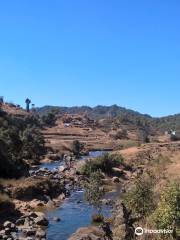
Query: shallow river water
{"x": 74, "y": 212}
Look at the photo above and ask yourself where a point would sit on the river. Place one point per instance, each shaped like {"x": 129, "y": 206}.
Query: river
{"x": 75, "y": 212}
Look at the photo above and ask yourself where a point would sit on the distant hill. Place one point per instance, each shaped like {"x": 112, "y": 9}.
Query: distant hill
{"x": 168, "y": 123}
{"x": 97, "y": 112}
{"x": 120, "y": 115}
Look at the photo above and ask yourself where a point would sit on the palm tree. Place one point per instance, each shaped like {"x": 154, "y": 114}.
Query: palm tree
{"x": 1, "y": 100}
{"x": 28, "y": 101}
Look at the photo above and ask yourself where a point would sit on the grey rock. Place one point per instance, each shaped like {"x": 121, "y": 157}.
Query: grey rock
{"x": 2, "y": 232}
{"x": 7, "y": 231}
{"x": 41, "y": 234}
{"x": 32, "y": 215}
{"x": 7, "y": 224}
{"x": 5, "y": 237}
{"x": 41, "y": 221}
{"x": 115, "y": 180}
{"x": 30, "y": 232}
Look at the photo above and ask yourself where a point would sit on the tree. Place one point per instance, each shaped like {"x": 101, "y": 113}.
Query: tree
{"x": 28, "y": 101}
{"x": 1, "y": 100}
{"x": 20, "y": 139}
{"x": 33, "y": 143}
{"x": 140, "y": 198}
{"x": 94, "y": 190}
{"x": 49, "y": 119}
{"x": 77, "y": 147}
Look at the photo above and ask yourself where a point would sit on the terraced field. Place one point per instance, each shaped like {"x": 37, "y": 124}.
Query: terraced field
{"x": 61, "y": 136}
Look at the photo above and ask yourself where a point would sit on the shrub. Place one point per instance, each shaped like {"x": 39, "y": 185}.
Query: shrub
{"x": 167, "y": 214}
{"x": 20, "y": 140}
{"x": 104, "y": 163}
{"x": 140, "y": 198}
{"x": 77, "y": 147}
{"x": 94, "y": 190}
{"x": 121, "y": 134}
{"x": 10, "y": 165}
{"x": 143, "y": 136}
{"x": 49, "y": 119}
{"x": 32, "y": 143}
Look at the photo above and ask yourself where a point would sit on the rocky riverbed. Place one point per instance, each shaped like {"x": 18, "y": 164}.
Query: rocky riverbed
{"x": 33, "y": 199}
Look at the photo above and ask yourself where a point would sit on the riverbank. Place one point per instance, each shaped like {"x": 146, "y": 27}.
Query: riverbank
{"x": 46, "y": 189}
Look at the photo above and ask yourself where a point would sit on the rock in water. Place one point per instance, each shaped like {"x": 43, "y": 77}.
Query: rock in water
{"x": 56, "y": 219}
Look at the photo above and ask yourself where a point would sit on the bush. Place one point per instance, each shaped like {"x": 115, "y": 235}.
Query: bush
{"x": 122, "y": 134}
{"x": 94, "y": 190}
{"x": 167, "y": 214}
{"x": 143, "y": 136}
{"x": 49, "y": 119}
{"x": 20, "y": 140}
{"x": 105, "y": 163}
{"x": 11, "y": 166}
{"x": 140, "y": 198}
{"x": 32, "y": 144}
{"x": 77, "y": 147}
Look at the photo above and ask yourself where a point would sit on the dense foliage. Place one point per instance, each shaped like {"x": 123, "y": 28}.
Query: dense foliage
{"x": 105, "y": 163}
{"x": 94, "y": 190}
{"x": 20, "y": 140}
{"x": 167, "y": 214}
{"x": 140, "y": 198}
{"x": 49, "y": 119}
{"x": 77, "y": 147}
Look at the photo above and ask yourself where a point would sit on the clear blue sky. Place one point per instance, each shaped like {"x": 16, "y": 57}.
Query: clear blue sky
{"x": 89, "y": 52}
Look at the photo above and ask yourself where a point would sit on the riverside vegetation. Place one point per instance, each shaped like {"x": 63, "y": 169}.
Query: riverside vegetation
{"x": 21, "y": 143}
{"x": 147, "y": 173}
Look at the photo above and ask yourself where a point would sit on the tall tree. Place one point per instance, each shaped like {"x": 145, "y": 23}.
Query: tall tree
{"x": 28, "y": 101}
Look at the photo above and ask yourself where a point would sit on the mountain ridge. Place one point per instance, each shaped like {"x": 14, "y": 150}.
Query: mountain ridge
{"x": 122, "y": 114}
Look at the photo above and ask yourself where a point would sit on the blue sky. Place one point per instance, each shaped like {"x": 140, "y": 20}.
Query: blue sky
{"x": 90, "y": 52}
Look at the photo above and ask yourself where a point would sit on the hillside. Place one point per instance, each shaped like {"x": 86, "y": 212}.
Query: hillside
{"x": 97, "y": 112}
{"x": 119, "y": 115}
{"x": 24, "y": 138}
{"x": 21, "y": 142}
{"x": 71, "y": 127}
